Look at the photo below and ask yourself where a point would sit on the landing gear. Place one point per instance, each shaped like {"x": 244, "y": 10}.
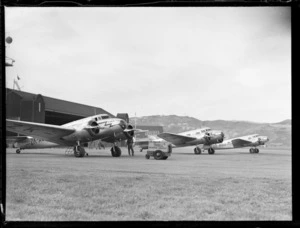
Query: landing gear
{"x": 115, "y": 151}
{"x": 147, "y": 156}
{"x": 79, "y": 151}
{"x": 254, "y": 150}
{"x": 197, "y": 150}
{"x": 211, "y": 151}
{"x": 18, "y": 151}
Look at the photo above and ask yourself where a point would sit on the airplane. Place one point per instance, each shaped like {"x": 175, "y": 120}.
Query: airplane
{"x": 77, "y": 133}
{"x": 205, "y": 136}
{"x": 244, "y": 141}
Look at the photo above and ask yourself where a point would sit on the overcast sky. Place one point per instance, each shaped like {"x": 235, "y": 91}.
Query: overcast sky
{"x": 230, "y": 63}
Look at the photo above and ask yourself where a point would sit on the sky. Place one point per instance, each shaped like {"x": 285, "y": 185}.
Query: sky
{"x": 211, "y": 63}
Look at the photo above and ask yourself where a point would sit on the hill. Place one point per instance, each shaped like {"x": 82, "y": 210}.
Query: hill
{"x": 278, "y": 133}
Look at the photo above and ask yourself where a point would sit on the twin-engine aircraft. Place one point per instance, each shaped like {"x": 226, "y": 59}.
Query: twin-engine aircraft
{"x": 204, "y": 136}
{"x": 76, "y": 133}
{"x": 244, "y": 141}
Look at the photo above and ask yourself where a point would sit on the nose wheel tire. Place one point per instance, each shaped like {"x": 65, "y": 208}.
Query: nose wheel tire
{"x": 18, "y": 151}
{"x": 147, "y": 156}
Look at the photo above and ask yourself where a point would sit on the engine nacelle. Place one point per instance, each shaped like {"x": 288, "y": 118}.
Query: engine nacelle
{"x": 212, "y": 139}
{"x": 94, "y": 130}
{"x": 129, "y": 134}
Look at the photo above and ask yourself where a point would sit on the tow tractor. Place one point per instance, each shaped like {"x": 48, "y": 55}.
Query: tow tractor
{"x": 159, "y": 150}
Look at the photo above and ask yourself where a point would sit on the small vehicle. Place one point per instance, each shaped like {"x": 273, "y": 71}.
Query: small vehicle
{"x": 159, "y": 150}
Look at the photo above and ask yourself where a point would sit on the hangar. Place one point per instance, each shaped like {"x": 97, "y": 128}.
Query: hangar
{"x": 31, "y": 107}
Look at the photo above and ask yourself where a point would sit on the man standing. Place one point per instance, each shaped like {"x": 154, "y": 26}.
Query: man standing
{"x": 130, "y": 146}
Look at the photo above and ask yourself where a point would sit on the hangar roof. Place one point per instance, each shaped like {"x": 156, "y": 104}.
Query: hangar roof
{"x": 62, "y": 106}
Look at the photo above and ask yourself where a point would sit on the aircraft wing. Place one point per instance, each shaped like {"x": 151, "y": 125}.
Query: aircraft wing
{"x": 240, "y": 142}
{"x": 175, "y": 139}
{"x": 13, "y": 139}
{"x": 38, "y": 130}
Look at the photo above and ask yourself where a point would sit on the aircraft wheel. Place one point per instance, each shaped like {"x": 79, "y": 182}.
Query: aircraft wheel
{"x": 198, "y": 149}
{"x": 158, "y": 155}
{"x": 195, "y": 151}
{"x": 211, "y": 151}
{"x": 79, "y": 151}
{"x": 251, "y": 150}
{"x": 18, "y": 151}
{"x": 256, "y": 150}
{"x": 147, "y": 156}
{"x": 115, "y": 151}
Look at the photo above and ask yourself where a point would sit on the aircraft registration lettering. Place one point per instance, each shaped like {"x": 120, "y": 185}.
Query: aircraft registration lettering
{"x": 106, "y": 124}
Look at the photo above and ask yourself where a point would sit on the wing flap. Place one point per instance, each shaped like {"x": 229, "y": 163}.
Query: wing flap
{"x": 175, "y": 139}
{"x": 38, "y": 130}
{"x": 240, "y": 142}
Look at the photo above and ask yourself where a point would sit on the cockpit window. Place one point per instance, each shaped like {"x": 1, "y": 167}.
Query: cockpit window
{"x": 105, "y": 117}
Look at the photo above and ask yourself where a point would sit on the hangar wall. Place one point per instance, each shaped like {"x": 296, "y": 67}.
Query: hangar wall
{"x": 42, "y": 109}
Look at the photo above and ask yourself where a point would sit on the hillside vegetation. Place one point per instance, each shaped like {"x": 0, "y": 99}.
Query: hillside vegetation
{"x": 278, "y": 133}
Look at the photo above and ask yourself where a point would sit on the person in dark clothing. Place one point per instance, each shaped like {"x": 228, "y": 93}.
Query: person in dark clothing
{"x": 130, "y": 146}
